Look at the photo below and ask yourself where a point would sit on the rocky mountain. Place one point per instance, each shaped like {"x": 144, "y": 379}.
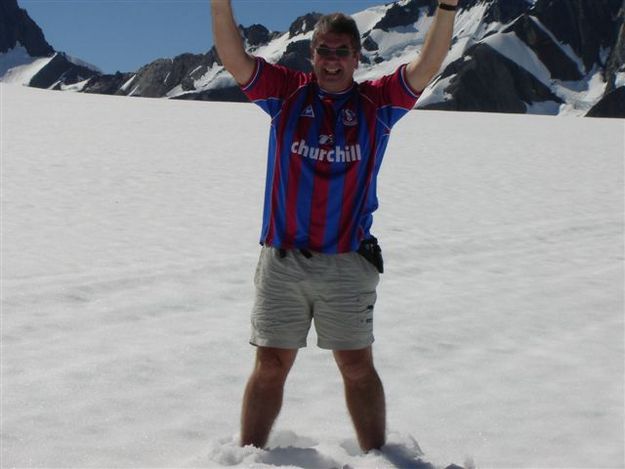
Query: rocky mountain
{"x": 16, "y": 27}
{"x": 522, "y": 56}
{"x": 26, "y": 57}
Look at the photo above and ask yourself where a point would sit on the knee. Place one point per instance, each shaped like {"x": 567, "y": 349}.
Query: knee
{"x": 357, "y": 370}
{"x": 272, "y": 368}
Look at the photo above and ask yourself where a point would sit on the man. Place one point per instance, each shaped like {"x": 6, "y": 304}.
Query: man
{"x": 319, "y": 260}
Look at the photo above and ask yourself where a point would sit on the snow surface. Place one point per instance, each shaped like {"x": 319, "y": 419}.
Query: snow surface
{"x": 368, "y": 18}
{"x": 17, "y": 67}
{"x": 580, "y": 96}
{"x": 129, "y": 242}
{"x": 126, "y": 85}
{"x": 76, "y": 87}
{"x": 566, "y": 48}
{"x": 510, "y": 46}
{"x": 15, "y": 57}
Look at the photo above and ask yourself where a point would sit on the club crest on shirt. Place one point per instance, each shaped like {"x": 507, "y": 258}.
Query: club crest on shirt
{"x": 348, "y": 117}
{"x": 308, "y": 112}
{"x": 326, "y": 139}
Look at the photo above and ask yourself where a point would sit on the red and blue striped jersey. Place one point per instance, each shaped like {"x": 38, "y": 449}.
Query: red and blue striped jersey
{"x": 325, "y": 152}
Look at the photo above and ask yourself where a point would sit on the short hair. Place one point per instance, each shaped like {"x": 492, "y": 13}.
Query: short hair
{"x": 337, "y": 23}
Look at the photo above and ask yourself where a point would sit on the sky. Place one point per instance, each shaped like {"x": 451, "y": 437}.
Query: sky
{"x": 127, "y": 34}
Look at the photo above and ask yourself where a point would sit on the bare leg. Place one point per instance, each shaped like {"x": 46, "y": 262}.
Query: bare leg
{"x": 263, "y": 394}
{"x": 364, "y": 395}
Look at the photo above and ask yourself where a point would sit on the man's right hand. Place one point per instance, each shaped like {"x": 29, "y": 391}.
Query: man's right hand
{"x": 229, "y": 43}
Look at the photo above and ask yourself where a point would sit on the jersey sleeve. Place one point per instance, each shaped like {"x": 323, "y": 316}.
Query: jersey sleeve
{"x": 392, "y": 95}
{"x": 271, "y": 84}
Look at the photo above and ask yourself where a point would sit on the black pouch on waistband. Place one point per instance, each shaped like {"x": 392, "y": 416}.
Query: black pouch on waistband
{"x": 370, "y": 250}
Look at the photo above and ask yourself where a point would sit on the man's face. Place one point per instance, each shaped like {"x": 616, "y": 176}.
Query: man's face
{"x": 334, "y": 61}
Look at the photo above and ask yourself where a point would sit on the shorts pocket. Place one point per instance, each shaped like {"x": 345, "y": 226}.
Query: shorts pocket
{"x": 366, "y": 303}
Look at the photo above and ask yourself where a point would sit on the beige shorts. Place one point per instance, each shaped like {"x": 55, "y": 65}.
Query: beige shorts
{"x": 337, "y": 291}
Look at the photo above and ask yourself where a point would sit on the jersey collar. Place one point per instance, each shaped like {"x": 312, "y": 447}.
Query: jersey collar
{"x": 335, "y": 95}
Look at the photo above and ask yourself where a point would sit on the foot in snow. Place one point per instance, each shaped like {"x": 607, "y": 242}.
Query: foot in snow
{"x": 288, "y": 449}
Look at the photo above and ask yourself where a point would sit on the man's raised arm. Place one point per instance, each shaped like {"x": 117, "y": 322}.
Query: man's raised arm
{"x": 420, "y": 71}
{"x": 229, "y": 43}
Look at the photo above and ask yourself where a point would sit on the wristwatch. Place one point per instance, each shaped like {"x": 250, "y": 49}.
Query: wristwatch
{"x": 446, "y": 6}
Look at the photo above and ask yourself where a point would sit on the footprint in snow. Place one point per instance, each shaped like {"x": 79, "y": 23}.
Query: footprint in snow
{"x": 285, "y": 448}
{"x": 288, "y": 449}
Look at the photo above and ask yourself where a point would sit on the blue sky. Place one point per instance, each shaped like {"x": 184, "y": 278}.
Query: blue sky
{"x": 126, "y": 34}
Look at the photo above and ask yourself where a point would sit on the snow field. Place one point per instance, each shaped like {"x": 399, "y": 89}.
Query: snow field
{"x": 129, "y": 242}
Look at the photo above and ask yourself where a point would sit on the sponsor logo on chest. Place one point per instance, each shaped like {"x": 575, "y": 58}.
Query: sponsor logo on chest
{"x": 326, "y": 150}
{"x": 337, "y": 154}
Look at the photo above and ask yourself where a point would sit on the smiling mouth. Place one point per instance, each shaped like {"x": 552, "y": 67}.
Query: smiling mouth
{"x": 332, "y": 71}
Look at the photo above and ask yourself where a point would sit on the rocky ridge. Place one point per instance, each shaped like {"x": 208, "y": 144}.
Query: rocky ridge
{"x": 522, "y": 56}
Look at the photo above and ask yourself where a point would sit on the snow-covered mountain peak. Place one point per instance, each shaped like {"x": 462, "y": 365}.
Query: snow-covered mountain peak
{"x": 522, "y": 56}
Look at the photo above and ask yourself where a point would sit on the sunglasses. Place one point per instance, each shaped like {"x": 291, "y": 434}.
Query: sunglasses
{"x": 341, "y": 52}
